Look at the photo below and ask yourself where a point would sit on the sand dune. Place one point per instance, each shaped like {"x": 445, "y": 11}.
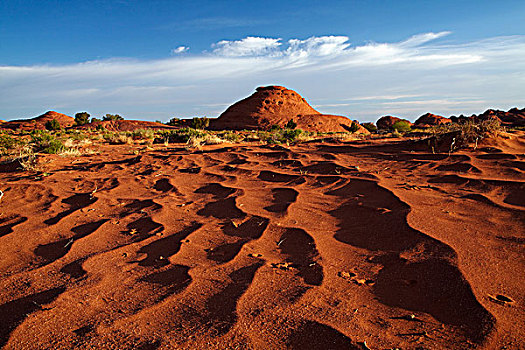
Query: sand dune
{"x": 314, "y": 246}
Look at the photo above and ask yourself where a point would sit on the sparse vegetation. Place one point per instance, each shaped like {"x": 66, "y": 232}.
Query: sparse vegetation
{"x": 118, "y": 138}
{"x": 354, "y": 127}
{"x": 200, "y": 123}
{"x": 53, "y": 124}
{"x": 180, "y": 135}
{"x": 291, "y": 124}
{"x": 174, "y": 122}
{"x": 401, "y": 126}
{"x": 8, "y": 143}
{"x": 112, "y": 117}
{"x": 143, "y": 134}
{"x": 46, "y": 143}
{"x": 468, "y": 133}
{"x": 370, "y": 127}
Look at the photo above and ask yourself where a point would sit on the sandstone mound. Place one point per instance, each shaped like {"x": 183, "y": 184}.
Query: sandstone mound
{"x": 514, "y": 117}
{"x": 428, "y": 120}
{"x": 125, "y": 125}
{"x": 39, "y": 123}
{"x": 277, "y": 105}
{"x": 387, "y": 121}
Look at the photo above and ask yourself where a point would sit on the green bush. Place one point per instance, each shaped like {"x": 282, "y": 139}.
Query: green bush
{"x": 200, "y": 123}
{"x": 54, "y": 146}
{"x": 173, "y": 122}
{"x": 82, "y": 118}
{"x": 354, "y": 127}
{"x": 370, "y": 127}
{"x": 230, "y": 136}
{"x": 275, "y": 127}
{"x": 46, "y": 143}
{"x": 291, "y": 124}
{"x": 93, "y": 120}
{"x": 143, "y": 134}
{"x": 401, "y": 126}
{"x": 6, "y": 141}
{"x": 77, "y": 135}
{"x": 53, "y": 124}
{"x": 118, "y": 138}
{"x": 180, "y": 135}
{"x": 112, "y": 117}
{"x": 292, "y": 134}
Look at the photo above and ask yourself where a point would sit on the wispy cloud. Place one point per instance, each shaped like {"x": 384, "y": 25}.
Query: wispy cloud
{"x": 411, "y": 77}
{"x": 180, "y": 49}
{"x": 249, "y": 46}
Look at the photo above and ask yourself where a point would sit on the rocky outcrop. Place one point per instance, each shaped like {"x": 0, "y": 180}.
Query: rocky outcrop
{"x": 277, "y": 105}
{"x": 386, "y": 122}
{"x": 513, "y": 117}
{"x": 39, "y": 123}
{"x": 429, "y": 120}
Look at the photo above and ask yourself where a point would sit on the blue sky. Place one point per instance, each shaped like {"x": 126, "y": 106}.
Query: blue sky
{"x": 158, "y": 59}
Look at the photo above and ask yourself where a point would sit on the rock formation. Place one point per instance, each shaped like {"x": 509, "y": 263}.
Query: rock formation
{"x": 428, "y": 120}
{"x": 39, "y": 122}
{"x": 277, "y": 105}
{"x": 387, "y": 121}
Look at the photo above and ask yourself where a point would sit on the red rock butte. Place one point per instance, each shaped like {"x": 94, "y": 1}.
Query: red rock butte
{"x": 39, "y": 122}
{"x": 428, "y": 120}
{"x": 277, "y": 105}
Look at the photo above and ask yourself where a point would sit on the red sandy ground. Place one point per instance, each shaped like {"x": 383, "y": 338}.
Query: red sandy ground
{"x": 314, "y": 246}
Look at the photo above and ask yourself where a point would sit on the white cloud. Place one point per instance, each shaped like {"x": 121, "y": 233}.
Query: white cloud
{"x": 180, "y": 49}
{"x": 249, "y": 46}
{"x": 420, "y": 39}
{"x": 318, "y": 46}
{"x": 408, "y": 77}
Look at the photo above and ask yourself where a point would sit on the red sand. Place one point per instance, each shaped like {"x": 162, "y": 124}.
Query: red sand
{"x": 313, "y": 246}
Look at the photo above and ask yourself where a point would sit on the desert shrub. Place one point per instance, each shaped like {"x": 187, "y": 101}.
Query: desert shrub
{"x": 100, "y": 127}
{"x": 200, "y": 123}
{"x": 46, "y": 143}
{"x": 112, "y": 117}
{"x": 275, "y": 127}
{"x": 291, "y": 134}
{"x": 279, "y": 136}
{"x": 401, "y": 126}
{"x": 230, "y": 136}
{"x": 118, "y": 138}
{"x": 354, "y": 127}
{"x": 206, "y": 139}
{"x": 370, "y": 127}
{"x": 143, "y": 134}
{"x": 93, "y": 120}
{"x": 181, "y": 135}
{"x": 52, "y": 124}
{"x": 291, "y": 124}
{"x": 82, "y": 118}
{"x": 7, "y": 143}
{"x": 77, "y": 135}
{"x": 173, "y": 121}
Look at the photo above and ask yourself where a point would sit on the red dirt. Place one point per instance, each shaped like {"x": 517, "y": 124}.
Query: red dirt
{"x": 312, "y": 246}
{"x": 38, "y": 123}
{"x": 276, "y": 105}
